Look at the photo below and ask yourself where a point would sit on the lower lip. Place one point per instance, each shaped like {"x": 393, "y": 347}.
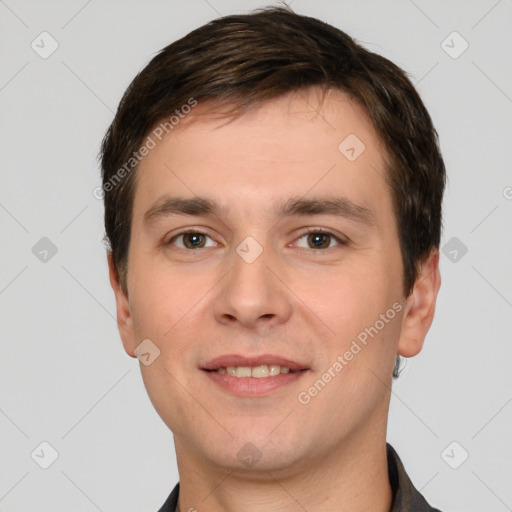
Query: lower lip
{"x": 251, "y": 386}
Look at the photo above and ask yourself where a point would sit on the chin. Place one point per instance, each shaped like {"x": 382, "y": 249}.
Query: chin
{"x": 254, "y": 451}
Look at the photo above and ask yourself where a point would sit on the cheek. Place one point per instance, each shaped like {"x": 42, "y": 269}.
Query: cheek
{"x": 360, "y": 307}
{"x": 160, "y": 296}
{"x": 346, "y": 297}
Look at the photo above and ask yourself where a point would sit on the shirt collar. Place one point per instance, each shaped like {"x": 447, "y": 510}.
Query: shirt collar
{"x": 405, "y": 496}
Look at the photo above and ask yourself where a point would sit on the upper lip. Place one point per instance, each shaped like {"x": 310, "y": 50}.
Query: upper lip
{"x": 239, "y": 360}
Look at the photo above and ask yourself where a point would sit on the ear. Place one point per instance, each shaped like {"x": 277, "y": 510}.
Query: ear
{"x": 420, "y": 307}
{"x": 124, "y": 317}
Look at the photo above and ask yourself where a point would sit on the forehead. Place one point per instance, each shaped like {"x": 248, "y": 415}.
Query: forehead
{"x": 290, "y": 146}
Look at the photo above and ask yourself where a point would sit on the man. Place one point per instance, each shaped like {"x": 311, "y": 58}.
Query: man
{"x": 273, "y": 207}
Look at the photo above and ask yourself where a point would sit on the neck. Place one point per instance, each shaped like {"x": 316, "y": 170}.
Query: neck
{"x": 352, "y": 477}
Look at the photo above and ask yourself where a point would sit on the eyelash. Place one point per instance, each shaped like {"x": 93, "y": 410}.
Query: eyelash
{"x": 308, "y": 231}
{"x": 322, "y": 231}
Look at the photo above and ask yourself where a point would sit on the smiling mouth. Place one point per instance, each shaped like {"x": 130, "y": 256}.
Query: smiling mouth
{"x": 253, "y": 376}
{"x": 258, "y": 372}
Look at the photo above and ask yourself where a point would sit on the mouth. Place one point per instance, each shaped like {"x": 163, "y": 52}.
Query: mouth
{"x": 256, "y": 376}
{"x": 258, "y": 372}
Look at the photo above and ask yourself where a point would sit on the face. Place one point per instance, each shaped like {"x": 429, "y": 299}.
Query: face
{"x": 265, "y": 269}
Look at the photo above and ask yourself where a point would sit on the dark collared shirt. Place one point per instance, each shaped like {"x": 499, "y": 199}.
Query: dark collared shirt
{"x": 405, "y": 496}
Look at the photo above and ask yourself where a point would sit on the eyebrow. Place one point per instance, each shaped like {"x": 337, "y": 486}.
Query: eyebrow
{"x": 298, "y": 206}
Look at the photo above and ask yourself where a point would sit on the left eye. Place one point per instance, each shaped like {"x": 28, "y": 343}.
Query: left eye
{"x": 191, "y": 240}
{"x": 320, "y": 240}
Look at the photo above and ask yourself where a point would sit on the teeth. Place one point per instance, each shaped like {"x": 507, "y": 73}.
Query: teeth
{"x": 274, "y": 369}
{"x": 243, "y": 371}
{"x": 258, "y": 372}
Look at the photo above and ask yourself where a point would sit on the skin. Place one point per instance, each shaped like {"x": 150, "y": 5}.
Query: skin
{"x": 294, "y": 300}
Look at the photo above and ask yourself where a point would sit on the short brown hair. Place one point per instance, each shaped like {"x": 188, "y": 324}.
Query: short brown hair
{"x": 244, "y": 60}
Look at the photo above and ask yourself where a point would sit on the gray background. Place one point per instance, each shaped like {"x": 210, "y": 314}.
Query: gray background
{"x": 64, "y": 377}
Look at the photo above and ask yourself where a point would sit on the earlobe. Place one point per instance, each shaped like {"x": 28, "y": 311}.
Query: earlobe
{"x": 420, "y": 307}
{"x": 124, "y": 318}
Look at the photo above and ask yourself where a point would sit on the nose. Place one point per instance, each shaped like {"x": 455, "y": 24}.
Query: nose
{"x": 253, "y": 294}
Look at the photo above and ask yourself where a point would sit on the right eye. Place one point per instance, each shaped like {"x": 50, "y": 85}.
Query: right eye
{"x": 190, "y": 240}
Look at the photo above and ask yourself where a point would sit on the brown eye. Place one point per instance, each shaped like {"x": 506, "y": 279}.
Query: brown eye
{"x": 190, "y": 240}
{"x": 319, "y": 240}
{"x": 193, "y": 240}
